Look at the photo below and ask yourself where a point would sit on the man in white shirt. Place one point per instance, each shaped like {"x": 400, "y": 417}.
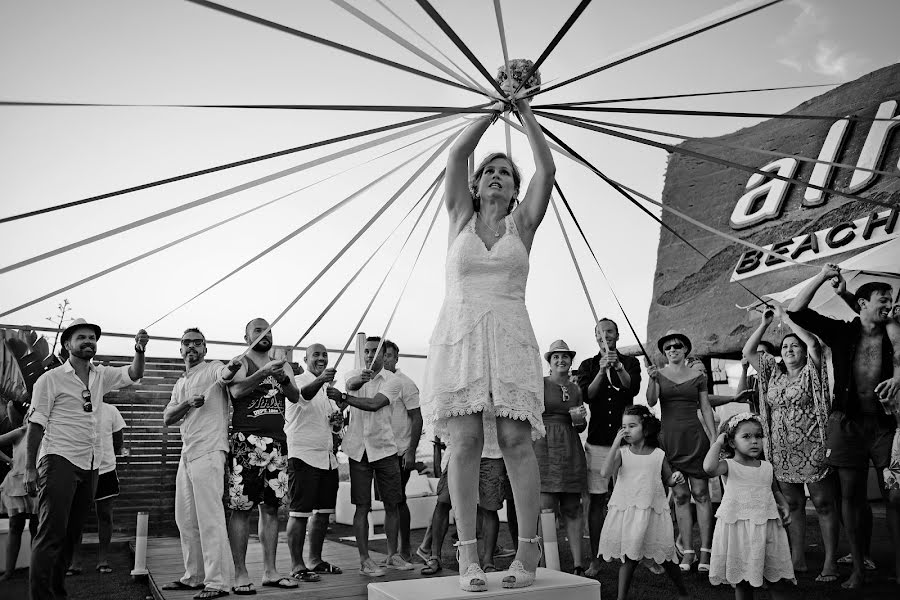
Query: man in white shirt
{"x": 65, "y": 428}
{"x": 369, "y": 443}
{"x": 312, "y": 466}
{"x": 200, "y": 403}
{"x": 406, "y": 420}
{"x": 112, "y": 426}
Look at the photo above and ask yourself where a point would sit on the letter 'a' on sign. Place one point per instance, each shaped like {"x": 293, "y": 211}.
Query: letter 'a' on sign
{"x": 874, "y": 146}
{"x": 747, "y": 211}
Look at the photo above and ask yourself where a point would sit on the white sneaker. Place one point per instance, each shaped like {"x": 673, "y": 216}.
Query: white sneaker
{"x": 370, "y": 569}
{"x": 398, "y": 562}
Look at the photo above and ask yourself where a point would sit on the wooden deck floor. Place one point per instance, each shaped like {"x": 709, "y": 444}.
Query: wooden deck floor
{"x": 165, "y": 564}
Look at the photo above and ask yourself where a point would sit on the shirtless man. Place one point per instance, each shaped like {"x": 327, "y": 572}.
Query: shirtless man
{"x": 859, "y": 429}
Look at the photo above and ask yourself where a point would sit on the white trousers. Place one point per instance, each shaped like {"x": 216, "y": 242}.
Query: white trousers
{"x": 200, "y": 516}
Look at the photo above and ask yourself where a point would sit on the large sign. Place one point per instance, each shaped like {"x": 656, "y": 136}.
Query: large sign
{"x": 697, "y": 292}
{"x": 873, "y": 229}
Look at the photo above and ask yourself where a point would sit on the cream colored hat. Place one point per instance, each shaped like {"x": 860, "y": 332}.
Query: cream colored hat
{"x": 559, "y": 346}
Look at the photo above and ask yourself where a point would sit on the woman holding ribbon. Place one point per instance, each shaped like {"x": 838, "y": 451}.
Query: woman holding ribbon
{"x": 484, "y": 366}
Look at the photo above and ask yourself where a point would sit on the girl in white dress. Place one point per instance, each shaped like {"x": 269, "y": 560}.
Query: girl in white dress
{"x": 638, "y": 524}
{"x": 750, "y": 545}
{"x": 484, "y": 368}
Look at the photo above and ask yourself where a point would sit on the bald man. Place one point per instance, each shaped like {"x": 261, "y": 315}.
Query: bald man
{"x": 312, "y": 466}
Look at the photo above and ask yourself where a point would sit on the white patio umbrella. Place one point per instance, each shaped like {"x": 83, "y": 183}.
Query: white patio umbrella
{"x": 881, "y": 263}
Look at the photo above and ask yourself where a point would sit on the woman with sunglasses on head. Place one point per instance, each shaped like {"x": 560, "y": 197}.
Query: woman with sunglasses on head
{"x": 680, "y": 390}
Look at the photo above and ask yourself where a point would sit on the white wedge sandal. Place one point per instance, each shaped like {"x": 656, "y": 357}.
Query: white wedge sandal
{"x": 473, "y": 579}
{"x": 519, "y": 577}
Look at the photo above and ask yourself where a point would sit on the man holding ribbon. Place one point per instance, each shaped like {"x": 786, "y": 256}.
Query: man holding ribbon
{"x": 609, "y": 382}
{"x": 63, "y": 449}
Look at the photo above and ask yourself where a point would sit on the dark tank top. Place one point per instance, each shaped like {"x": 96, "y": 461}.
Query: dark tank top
{"x": 262, "y": 410}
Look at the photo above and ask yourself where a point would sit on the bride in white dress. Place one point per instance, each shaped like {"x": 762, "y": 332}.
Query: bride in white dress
{"x": 483, "y": 375}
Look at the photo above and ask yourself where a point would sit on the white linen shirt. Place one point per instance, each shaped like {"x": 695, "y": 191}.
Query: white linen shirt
{"x": 400, "y": 420}
{"x": 111, "y": 421}
{"x": 68, "y": 430}
{"x": 371, "y": 432}
{"x": 307, "y": 428}
{"x": 204, "y": 429}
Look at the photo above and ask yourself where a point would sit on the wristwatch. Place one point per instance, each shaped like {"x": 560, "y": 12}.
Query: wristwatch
{"x": 343, "y": 396}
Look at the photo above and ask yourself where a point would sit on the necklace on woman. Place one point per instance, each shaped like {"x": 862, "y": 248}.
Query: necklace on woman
{"x": 495, "y": 231}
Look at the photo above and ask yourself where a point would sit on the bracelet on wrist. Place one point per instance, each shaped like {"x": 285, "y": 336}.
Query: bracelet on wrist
{"x": 139, "y": 349}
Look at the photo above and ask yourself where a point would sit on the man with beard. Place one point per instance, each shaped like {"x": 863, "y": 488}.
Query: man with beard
{"x": 64, "y": 426}
{"x": 370, "y": 445}
{"x": 406, "y": 418}
{"x": 609, "y": 382}
{"x": 200, "y": 402}
{"x": 312, "y": 466}
{"x": 258, "y": 454}
{"x": 859, "y": 429}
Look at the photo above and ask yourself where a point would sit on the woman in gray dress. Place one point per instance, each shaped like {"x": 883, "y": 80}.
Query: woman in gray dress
{"x": 680, "y": 390}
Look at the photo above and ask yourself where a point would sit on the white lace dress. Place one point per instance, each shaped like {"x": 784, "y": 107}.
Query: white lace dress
{"x": 638, "y": 523}
{"x": 749, "y": 542}
{"x": 483, "y": 355}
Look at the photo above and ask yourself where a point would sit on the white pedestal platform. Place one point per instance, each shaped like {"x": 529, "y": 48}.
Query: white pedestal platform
{"x": 549, "y": 584}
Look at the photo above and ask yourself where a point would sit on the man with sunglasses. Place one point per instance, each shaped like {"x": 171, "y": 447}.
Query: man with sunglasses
{"x": 65, "y": 428}
{"x": 609, "y": 382}
{"x": 200, "y": 403}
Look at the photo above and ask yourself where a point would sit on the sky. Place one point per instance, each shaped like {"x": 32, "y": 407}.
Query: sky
{"x": 175, "y": 52}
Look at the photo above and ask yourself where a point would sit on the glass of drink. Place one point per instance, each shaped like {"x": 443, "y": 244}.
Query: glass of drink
{"x": 578, "y": 415}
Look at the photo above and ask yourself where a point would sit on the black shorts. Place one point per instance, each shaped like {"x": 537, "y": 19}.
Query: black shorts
{"x": 107, "y": 486}
{"x": 491, "y": 492}
{"x": 312, "y": 490}
{"x": 386, "y": 472}
{"x": 404, "y": 479}
{"x": 852, "y": 443}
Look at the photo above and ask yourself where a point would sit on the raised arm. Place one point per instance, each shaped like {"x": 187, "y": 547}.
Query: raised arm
{"x": 652, "y": 384}
{"x": 756, "y": 337}
{"x": 813, "y": 347}
{"x": 711, "y": 463}
{"x": 802, "y": 300}
{"x": 457, "y": 195}
{"x": 534, "y": 204}
{"x": 613, "y": 460}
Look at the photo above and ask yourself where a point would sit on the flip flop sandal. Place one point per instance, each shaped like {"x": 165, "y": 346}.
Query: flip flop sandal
{"x": 104, "y": 569}
{"x": 285, "y": 583}
{"x": 73, "y": 571}
{"x": 578, "y": 571}
{"x": 823, "y": 578}
{"x": 326, "y": 568}
{"x": 432, "y": 567}
{"x": 489, "y": 568}
{"x": 209, "y": 594}
{"x": 179, "y": 585}
{"x": 245, "y": 589}
{"x": 306, "y": 576}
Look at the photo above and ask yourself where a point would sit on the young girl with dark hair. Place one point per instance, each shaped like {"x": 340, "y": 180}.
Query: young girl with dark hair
{"x": 638, "y": 524}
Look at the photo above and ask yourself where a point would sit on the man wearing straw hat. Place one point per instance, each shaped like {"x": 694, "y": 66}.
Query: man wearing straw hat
{"x": 65, "y": 428}
{"x": 609, "y": 382}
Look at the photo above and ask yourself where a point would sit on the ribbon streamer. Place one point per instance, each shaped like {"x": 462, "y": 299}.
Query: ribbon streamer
{"x": 499, "y": 13}
{"x": 673, "y": 36}
{"x": 330, "y": 107}
{"x": 208, "y": 199}
{"x": 320, "y": 40}
{"x": 448, "y": 31}
{"x": 359, "y": 234}
{"x": 189, "y": 236}
{"x": 371, "y": 256}
{"x": 239, "y": 163}
{"x": 554, "y": 42}
{"x": 399, "y": 40}
{"x": 709, "y": 113}
{"x": 562, "y": 229}
{"x": 694, "y": 94}
{"x": 371, "y": 302}
{"x": 710, "y": 158}
{"x": 436, "y": 49}
{"x": 315, "y": 220}
{"x": 713, "y": 142}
